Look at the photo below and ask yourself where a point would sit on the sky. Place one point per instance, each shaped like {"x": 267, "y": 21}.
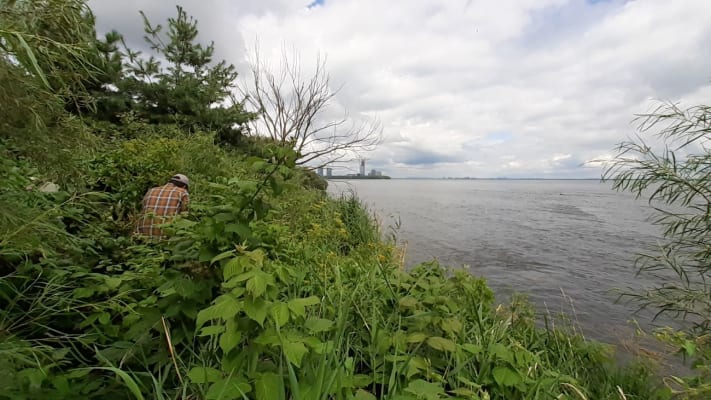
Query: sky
{"x": 472, "y": 88}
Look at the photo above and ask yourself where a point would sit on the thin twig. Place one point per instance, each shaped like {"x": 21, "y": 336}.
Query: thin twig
{"x": 170, "y": 348}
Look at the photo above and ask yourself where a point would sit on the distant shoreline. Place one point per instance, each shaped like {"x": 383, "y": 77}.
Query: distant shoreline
{"x": 506, "y": 179}
{"x": 344, "y": 177}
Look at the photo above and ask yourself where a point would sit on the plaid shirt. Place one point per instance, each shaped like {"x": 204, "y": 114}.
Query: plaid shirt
{"x": 160, "y": 205}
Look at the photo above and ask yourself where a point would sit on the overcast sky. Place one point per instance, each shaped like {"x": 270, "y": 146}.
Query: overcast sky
{"x": 479, "y": 88}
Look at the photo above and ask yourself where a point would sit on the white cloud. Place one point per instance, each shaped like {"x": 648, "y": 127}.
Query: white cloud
{"x": 557, "y": 80}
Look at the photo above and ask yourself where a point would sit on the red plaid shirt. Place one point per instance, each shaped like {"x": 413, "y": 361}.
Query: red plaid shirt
{"x": 160, "y": 205}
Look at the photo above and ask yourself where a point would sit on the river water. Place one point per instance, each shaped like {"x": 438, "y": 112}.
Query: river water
{"x": 567, "y": 244}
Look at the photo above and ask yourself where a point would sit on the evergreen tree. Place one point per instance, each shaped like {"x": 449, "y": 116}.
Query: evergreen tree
{"x": 107, "y": 56}
{"x": 191, "y": 91}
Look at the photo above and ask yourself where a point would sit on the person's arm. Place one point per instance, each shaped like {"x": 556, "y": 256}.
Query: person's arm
{"x": 145, "y": 199}
{"x": 184, "y": 202}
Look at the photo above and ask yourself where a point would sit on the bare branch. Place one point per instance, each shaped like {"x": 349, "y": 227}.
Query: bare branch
{"x": 295, "y": 111}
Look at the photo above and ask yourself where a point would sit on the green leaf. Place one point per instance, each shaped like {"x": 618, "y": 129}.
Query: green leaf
{"x": 322, "y": 347}
{"x": 228, "y": 389}
{"x": 240, "y": 229}
{"x": 472, "y": 348}
{"x": 294, "y": 352}
{"x": 428, "y": 390}
{"x": 244, "y": 276}
{"x": 269, "y": 386}
{"x": 204, "y": 375}
{"x": 408, "y": 302}
{"x": 363, "y": 395}
{"x": 258, "y": 284}
{"x": 224, "y": 217}
{"x": 361, "y": 380}
{"x": 233, "y": 267}
{"x": 268, "y": 338}
{"x": 34, "y": 375}
{"x": 222, "y": 256}
{"x": 280, "y": 313}
{"x": 505, "y": 376}
{"x": 113, "y": 282}
{"x": 206, "y": 254}
{"x": 416, "y": 365}
{"x": 127, "y": 380}
{"x": 501, "y": 351}
{"x": 33, "y": 60}
{"x": 77, "y": 373}
{"x": 60, "y": 353}
{"x": 225, "y": 307}
{"x": 689, "y": 348}
{"x": 441, "y": 344}
{"x": 256, "y": 309}
{"x": 83, "y": 292}
{"x": 451, "y": 325}
{"x": 259, "y": 165}
{"x": 212, "y": 330}
{"x": 466, "y": 393}
{"x": 257, "y": 256}
{"x": 416, "y": 337}
{"x": 104, "y": 318}
{"x": 298, "y": 306}
{"x": 317, "y": 325}
{"x": 230, "y": 339}
{"x": 277, "y": 187}
{"x": 61, "y": 383}
{"x": 248, "y": 160}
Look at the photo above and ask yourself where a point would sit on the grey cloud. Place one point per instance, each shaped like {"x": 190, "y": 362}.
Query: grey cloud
{"x": 421, "y": 157}
{"x": 215, "y": 23}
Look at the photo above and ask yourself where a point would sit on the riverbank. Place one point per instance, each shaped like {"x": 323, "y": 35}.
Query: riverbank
{"x": 313, "y": 291}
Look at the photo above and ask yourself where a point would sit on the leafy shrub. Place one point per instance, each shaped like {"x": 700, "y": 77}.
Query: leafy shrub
{"x": 311, "y": 180}
{"x": 674, "y": 177}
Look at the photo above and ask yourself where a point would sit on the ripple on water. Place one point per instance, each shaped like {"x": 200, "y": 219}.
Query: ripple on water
{"x": 566, "y": 244}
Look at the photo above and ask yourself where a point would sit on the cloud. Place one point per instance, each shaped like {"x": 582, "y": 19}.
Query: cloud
{"x": 413, "y": 156}
{"x": 474, "y": 87}
{"x": 316, "y": 3}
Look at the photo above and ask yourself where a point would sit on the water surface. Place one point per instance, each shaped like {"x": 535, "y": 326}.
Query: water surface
{"x": 566, "y": 244}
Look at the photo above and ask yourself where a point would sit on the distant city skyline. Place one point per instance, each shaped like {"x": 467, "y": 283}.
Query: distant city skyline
{"x": 344, "y": 171}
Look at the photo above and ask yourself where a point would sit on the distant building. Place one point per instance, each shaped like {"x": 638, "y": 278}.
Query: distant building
{"x": 362, "y": 167}
{"x": 319, "y": 171}
{"x": 374, "y": 172}
{"x": 329, "y": 171}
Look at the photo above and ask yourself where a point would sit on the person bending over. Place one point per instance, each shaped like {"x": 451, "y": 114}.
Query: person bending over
{"x": 161, "y": 204}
